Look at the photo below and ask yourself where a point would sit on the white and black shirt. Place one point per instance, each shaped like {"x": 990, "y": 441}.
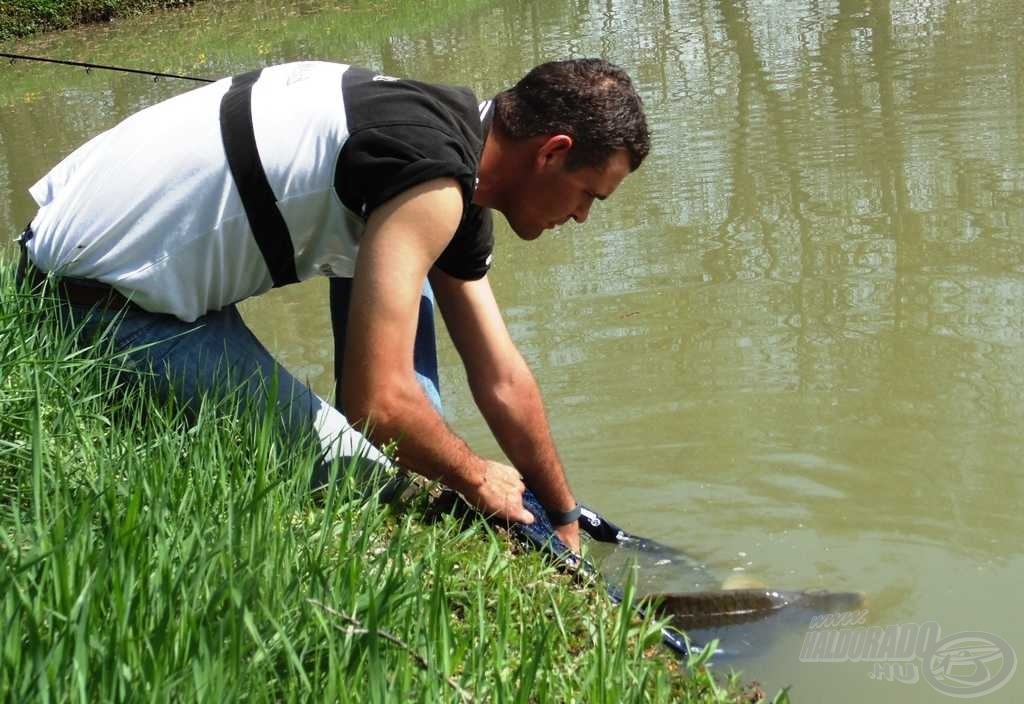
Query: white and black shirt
{"x": 256, "y": 181}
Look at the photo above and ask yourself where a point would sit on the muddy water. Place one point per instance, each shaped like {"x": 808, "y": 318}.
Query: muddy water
{"x": 792, "y": 345}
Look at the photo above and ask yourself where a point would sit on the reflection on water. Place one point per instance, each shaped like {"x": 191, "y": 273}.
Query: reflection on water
{"x": 792, "y": 344}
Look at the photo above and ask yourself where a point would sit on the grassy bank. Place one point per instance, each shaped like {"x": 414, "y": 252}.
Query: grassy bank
{"x": 19, "y": 18}
{"x": 144, "y": 556}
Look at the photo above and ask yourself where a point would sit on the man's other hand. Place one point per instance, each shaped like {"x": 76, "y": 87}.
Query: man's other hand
{"x": 500, "y": 494}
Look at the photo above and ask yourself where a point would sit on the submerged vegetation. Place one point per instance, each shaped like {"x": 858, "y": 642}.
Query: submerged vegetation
{"x": 19, "y": 18}
{"x": 149, "y": 556}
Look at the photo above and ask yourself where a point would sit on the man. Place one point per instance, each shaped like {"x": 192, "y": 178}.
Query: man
{"x": 156, "y": 228}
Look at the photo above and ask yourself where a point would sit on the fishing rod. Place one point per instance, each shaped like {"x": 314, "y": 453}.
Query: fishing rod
{"x": 89, "y": 66}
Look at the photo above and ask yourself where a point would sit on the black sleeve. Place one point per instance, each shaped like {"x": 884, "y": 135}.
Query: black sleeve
{"x": 468, "y": 255}
{"x": 377, "y": 163}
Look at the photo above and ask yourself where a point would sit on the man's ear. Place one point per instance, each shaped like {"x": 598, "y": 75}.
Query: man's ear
{"x": 554, "y": 150}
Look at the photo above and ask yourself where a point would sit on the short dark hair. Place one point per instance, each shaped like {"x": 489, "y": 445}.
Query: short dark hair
{"x": 591, "y": 100}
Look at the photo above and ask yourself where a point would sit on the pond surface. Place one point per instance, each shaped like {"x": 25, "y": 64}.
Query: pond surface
{"x": 791, "y": 345}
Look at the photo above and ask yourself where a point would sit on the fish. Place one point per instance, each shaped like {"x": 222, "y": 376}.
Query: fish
{"x": 707, "y": 610}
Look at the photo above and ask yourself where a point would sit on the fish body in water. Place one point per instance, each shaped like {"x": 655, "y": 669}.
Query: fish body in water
{"x": 707, "y": 610}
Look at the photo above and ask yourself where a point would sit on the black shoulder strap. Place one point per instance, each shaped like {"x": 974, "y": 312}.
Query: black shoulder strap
{"x": 265, "y": 219}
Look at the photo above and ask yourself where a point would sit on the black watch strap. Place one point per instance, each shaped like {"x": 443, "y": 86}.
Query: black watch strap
{"x": 563, "y": 519}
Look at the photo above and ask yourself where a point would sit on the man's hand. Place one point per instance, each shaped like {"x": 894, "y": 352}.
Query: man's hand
{"x": 500, "y": 494}
{"x": 570, "y": 535}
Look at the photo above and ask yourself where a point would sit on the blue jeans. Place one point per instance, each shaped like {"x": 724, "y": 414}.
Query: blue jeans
{"x": 219, "y": 354}
{"x": 424, "y": 353}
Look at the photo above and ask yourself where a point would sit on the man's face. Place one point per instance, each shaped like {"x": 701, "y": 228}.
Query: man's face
{"x": 551, "y": 194}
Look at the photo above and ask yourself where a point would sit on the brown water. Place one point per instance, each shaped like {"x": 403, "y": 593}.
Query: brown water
{"x": 792, "y": 345}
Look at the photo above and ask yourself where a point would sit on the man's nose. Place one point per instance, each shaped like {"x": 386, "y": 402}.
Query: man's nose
{"x": 581, "y": 213}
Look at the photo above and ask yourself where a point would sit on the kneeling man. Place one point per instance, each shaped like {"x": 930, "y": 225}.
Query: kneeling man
{"x": 154, "y": 230}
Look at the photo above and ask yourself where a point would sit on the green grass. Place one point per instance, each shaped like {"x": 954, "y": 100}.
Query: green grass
{"x": 149, "y": 557}
{"x": 19, "y": 18}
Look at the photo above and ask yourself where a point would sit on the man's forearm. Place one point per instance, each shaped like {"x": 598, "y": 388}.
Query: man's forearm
{"x": 426, "y": 444}
{"x": 511, "y": 404}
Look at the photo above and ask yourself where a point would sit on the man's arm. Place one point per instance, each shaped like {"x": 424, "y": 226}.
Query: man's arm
{"x": 505, "y": 390}
{"x": 402, "y": 239}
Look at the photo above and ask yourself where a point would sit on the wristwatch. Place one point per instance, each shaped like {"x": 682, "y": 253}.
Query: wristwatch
{"x": 559, "y": 519}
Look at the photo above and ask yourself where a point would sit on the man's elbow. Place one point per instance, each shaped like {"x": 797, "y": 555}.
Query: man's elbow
{"x": 501, "y": 392}
{"x": 374, "y": 408}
